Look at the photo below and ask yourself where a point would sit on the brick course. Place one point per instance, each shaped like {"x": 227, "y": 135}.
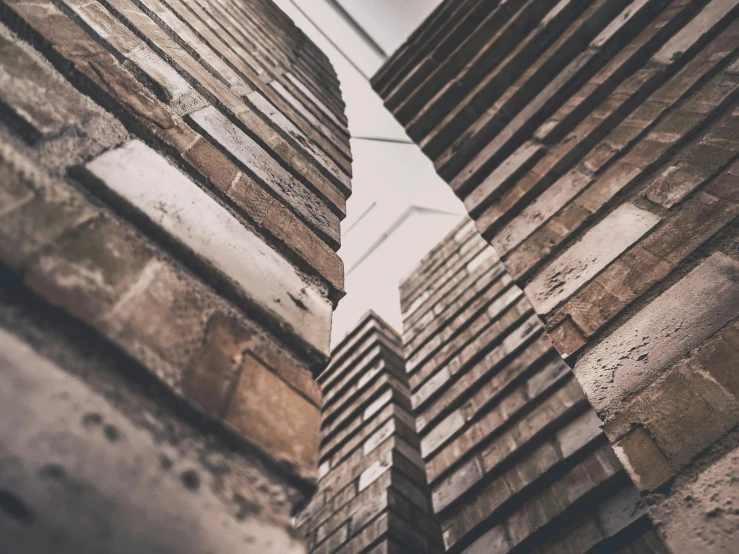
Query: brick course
{"x": 515, "y": 458}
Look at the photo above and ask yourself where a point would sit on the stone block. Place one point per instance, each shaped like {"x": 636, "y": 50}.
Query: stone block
{"x": 701, "y": 517}
{"x": 86, "y": 458}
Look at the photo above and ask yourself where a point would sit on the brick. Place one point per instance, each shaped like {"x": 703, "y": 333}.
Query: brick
{"x": 44, "y": 104}
{"x": 532, "y": 467}
{"x": 661, "y": 333}
{"x": 38, "y": 213}
{"x": 455, "y": 485}
{"x": 672, "y": 185}
{"x": 494, "y": 540}
{"x": 714, "y": 12}
{"x": 643, "y": 460}
{"x": 482, "y": 195}
{"x": 52, "y": 400}
{"x": 91, "y": 268}
{"x": 545, "y": 206}
{"x": 441, "y": 433}
{"x": 688, "y": 409}
{"x": 153, "y": 187}
{"x": 621, "y": 510}
{"x": 580, "y": 432}
{"x": 265, "y": 211}
{"x": 595, "y": 250}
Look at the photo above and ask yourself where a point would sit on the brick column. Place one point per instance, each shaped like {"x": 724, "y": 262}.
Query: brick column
{"x": 174, "y": 174}
{"x": 594, "y": 143}
{"x": 372, "y": 495}
{"x": 514, "y": 455}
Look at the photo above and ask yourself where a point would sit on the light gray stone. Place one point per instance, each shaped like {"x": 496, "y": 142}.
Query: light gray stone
{"x": 663, "y": 332}
{"x": 146, "y": 181}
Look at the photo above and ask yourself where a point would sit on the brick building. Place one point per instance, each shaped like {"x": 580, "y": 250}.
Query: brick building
{"x": 594, "y": 144}
{"x": 174, "y": 175}
{"x": 372, "y": 494}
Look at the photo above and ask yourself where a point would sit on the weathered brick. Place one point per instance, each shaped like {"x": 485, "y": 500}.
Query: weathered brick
{"x": 647, "y": 466}
{"x": 595, "y": 250}
{"x": 153, "y": 187}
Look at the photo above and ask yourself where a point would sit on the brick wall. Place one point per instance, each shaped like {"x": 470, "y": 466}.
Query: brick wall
{"x": 594, "y": 144}
{"x": 372, "y": 495}
{"x": 514, "y": 455}
{"x": 174, "y": 175}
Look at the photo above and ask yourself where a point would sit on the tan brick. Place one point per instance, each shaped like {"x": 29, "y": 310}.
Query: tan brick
{"x": 643, "y": 460}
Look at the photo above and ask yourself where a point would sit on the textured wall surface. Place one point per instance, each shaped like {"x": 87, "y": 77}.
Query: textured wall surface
{"x": 594, "y": 143}
{"x": 173, "y": 177}
{"x": 372, "y": 495}
{"x": 515, "y": 457}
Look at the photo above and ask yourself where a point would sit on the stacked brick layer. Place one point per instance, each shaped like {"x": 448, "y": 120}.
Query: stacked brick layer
{"x": 594, "y": 143}
{"x": 174, "y": 174}
{"x": 515, "y": 457}
{"x": 372, "y": 495}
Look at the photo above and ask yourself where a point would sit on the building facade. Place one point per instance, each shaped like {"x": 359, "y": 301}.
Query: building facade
{"x": 514, "y": 454}
{"x": 594, "y": 144}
